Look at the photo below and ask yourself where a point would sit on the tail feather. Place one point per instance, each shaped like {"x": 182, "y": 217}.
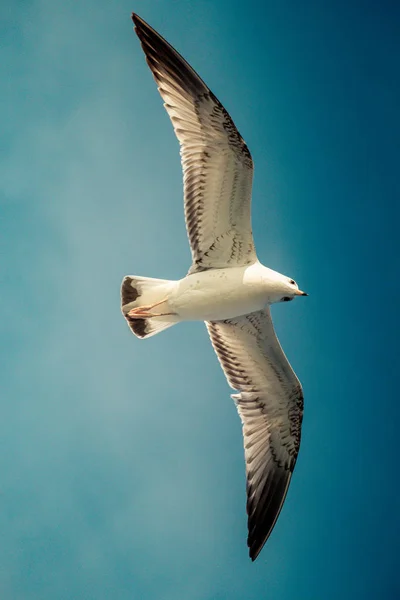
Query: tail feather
{"x": 144, "y": 328}
{"x": 140, "y": 291}
{"x": 133, "y": 287}
{"x": 128, "y": 292}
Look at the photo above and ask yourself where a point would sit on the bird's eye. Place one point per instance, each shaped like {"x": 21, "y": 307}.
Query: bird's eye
{"x": 286, "y": 299}
{"x": 292, "y": 282}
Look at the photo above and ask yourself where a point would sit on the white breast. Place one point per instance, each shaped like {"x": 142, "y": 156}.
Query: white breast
{"x": 219, "y": 294}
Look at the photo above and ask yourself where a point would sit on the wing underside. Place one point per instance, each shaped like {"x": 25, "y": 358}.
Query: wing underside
{"x": 270, "y": 405}
{"x": 217, "y": 165}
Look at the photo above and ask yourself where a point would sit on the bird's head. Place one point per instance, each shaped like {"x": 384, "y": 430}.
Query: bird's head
{"x": 287, "y": 290}
{"x": 280, "y": 288}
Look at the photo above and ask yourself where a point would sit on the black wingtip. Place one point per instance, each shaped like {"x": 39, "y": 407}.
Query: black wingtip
{"x": 137, "y": 21}
{"x": 254, "y": 552}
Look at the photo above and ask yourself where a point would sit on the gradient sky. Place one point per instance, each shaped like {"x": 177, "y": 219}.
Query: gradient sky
{"x": 122, "y": 471}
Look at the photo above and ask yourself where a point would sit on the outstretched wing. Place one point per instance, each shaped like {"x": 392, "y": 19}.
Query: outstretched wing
{"x": 270, "y": 405}
{"x": 217, "y": 165}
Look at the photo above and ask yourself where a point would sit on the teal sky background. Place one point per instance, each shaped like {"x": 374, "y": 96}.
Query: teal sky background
{"x": 122, "y": 472}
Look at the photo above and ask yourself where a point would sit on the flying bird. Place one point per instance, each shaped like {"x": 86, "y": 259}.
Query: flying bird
{"x": 226, "y": 286}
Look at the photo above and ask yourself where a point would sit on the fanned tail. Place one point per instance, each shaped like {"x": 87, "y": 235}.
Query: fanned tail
{"x": 143, "y": 291}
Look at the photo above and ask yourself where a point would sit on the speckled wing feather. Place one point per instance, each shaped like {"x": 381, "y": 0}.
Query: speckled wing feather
{"x": 270, "y": 405}
{"x": 217, "y": 165}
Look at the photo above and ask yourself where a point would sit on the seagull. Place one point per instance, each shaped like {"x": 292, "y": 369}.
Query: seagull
{"x": 226, "y": 286}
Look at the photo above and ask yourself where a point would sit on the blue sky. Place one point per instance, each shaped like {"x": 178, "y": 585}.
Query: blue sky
{"x": 122, "y": 462}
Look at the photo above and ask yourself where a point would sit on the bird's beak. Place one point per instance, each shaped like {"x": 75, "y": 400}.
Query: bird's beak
{"x": 300, "y": 293}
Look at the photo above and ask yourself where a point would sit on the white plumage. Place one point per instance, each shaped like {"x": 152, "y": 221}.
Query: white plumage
{"x": 226, "y": 285}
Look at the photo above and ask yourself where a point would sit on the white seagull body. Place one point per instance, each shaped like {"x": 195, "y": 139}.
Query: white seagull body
{"x": 227, "y": 287}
